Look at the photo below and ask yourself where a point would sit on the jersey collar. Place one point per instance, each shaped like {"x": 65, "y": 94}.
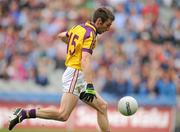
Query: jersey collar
{"x": 90, "y": 24}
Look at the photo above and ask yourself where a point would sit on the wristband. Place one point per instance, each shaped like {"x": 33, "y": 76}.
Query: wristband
{"x": 90, "y": 85}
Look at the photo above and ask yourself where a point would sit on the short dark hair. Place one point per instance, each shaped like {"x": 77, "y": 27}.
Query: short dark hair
{"x": 104, "y": 14}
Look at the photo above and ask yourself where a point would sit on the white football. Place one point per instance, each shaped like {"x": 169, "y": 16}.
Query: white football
{"x": 127, "y": 105}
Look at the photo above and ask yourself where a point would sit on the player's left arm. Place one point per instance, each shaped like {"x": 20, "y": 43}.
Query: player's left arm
{"x": 86, "y": 64}
{"x": 63, "y": 36}
{"x": 89, "y": 94}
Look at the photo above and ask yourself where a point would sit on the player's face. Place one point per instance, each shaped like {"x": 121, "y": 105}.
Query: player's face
{"x": 103, "y": 27}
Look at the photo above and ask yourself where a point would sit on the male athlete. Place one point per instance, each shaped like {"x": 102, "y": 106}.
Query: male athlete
{"x": 77, "y": 79}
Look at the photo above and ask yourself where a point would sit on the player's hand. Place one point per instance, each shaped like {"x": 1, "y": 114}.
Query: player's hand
{"x": 89, "y": 94}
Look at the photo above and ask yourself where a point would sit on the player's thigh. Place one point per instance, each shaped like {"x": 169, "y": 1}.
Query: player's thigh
{"x": 68, "y": 102}
{"x": 98, "y": 103}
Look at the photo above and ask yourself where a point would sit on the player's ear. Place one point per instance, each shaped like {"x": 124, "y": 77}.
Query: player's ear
{"x": 99, "y": 21}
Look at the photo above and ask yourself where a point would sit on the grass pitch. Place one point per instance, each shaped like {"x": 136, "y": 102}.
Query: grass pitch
{"x": 45, "y": 130}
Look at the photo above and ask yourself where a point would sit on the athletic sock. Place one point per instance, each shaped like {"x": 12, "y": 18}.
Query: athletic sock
{"x": 31, "y": 113}
{"x": 27, "y": 114}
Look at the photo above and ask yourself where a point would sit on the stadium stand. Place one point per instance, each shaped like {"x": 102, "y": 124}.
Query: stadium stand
{"x": 141, "y": 56}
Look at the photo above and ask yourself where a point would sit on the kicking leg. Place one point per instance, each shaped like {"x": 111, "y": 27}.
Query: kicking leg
{"x": 68, "y": 102}
{"x": 101, "y": 106}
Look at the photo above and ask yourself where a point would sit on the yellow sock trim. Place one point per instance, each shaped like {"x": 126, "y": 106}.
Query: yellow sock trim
{"x": 27, "y": 114}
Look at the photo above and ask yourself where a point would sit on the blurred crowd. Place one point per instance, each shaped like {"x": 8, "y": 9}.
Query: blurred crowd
{"x": 139, "y": 55}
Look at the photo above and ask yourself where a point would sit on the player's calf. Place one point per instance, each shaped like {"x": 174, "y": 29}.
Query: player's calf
{"x": 63, "y": 115}
{"x": 62, "y": 118}
{"x": 102, "y": 108}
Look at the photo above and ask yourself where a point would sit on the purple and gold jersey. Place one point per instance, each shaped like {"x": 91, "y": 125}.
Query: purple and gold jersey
{"x": 81, "y": 38}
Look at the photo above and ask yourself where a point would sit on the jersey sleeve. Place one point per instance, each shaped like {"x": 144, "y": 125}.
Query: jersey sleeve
{"x": 89, "y": 41}
{"x": 69, "y": 31}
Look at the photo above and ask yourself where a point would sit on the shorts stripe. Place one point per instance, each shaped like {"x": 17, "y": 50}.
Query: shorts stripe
{"x": 74, "y": 80}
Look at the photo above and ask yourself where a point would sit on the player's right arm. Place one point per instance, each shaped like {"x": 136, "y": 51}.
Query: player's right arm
{"x": 63, "y": 36}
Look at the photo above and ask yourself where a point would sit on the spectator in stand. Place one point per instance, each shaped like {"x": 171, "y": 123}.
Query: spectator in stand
{"x": 166, "y": 87}
{"x": 16, "y": 69}
{"x": 175, "y": 25}
{"x": 151, "y": 11}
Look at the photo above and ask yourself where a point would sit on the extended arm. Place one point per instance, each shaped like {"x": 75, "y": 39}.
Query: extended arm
{"x": 63, "y": 37}
{"x": 89, "y": 94}
{"x": 87, "y": 67}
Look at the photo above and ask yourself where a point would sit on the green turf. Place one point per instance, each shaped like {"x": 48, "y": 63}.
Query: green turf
{"x": 44, "y": 130}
